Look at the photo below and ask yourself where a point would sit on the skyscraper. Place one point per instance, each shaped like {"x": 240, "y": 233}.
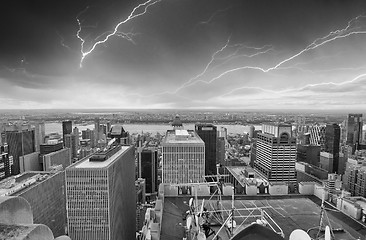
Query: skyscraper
{"x": 66, "y": 129}
{"x": 100, "y": 196}
{"x": 6, "y": 161}
{"x": 183, "y": 157}
{"x": 39, "y": 135}
{"x": 317, "y": 136}
{"x": 332, "y": 141}
{"x": 149, "y": 169}
{"x": 71, "y": 142}
{"x": 97, "y": 129}
{"x": 208, "y": 134}
{"x": 21, "y": 142}
{"x": 354, "y": 130}
{"x": 276, "y": 153}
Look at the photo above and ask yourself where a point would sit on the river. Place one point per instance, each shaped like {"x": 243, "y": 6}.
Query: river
{"x": 56, "y": 127}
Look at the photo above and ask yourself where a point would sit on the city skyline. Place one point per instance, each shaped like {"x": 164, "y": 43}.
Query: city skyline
{"x": 182, "y": 54}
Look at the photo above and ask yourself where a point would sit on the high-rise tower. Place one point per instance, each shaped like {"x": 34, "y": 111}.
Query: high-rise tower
{"x": 208, "y": 134}
{"x": 354, "y": 130}
{"x": 183, "y": 157}
{"x": 276, "y": 153}
{"x": 100, "y": 196}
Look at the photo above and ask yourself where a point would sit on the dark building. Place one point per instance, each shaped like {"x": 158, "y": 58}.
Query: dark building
{"x": 119, "y": 133}
{"x": 20, "y": 143}
{"x": 208, "y": 133}
{"x": 6, "y": 162}
{"x": 149, "y": 169}
{"x": 332, "y": 141}
{"x": 354, "y": 131}
{"x": 49, "y": 148}
{"x": 309, "y": 154}
{"x": 66, "y": 129}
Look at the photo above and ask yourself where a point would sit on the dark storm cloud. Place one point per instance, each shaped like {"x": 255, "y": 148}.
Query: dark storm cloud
{"x": 173, "y": 42}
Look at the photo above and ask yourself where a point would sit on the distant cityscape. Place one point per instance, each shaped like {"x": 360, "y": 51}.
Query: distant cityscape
{"x": 155, "y": 174}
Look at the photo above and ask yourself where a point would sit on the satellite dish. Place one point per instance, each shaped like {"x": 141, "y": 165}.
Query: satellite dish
{"x": 299, "y": 234}
{"x": 201, "y": 236}
{"x": 231, "y": 223}
{"x": 327, "y": 233}
{"x": 189, "y": 222}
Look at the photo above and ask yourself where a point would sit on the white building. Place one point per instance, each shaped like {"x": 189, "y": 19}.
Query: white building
{"x": 100, "y": 196}
{"x": 276, "y": 153}
{"x": 183, "y": 157}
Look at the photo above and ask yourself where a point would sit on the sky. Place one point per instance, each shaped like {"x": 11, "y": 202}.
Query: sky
{"x": 183, "y": 54}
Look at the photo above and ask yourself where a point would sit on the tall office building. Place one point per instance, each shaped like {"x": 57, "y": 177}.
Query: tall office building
{"x": 332, "y": 142}
{"x": 100, "y": 196}
{"x": 317, "y": 136}
{"x": 71, "y": 142}
{"x": 354, "y": 130}
{"x": 309, "y": 154}
{"x": 208, "y": 134}
{"x": 97, "y": 129}
{"x": 6, "y": 161}
{"x": 183, "y": 157}
{"x": 276, "y": 153}
{"x": 66, "y": 129}
{"x": 76, "y": 132}
{"x": 21, "y": 142}
{"x": 221, "y": 151}
{"x": 89, "y": 134}
{"x": 149, "y": 168}
{"x": 39, "y": 135}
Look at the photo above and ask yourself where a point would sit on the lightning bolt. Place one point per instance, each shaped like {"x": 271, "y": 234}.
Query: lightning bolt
{"x": 214, "y": 14}
{"x": 289, "y": 90}
{"x": 62, "y": 41}
{"x": 215, "y": 56}
{"x": 134, "y": 13}
{"x": 349, "y": 30}
{"x": 129, "y": 36}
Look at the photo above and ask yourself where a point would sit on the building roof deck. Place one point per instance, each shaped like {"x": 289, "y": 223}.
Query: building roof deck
{"x": 289, "y": 213}
{"x": 182, "y": 137}
{"x": 86, "y": 163}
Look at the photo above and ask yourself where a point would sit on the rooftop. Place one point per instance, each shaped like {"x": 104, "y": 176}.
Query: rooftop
{"x": 239, "y": 172}
{"x": 182, "y": 136}
{"x": 289, "y": 213}
{"x": 15, "y": 185}
{"x": 86, "y": 163}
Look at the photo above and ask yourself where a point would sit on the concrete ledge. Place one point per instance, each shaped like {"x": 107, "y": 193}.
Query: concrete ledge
{"x": 25, "y": 232}
{"x": 15, "y": 210}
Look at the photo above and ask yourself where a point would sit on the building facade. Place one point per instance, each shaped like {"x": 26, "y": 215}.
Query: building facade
{"x": 66, "y": 129}
{"x": 332, "y": 143}
{"x": 6, "y": 162}
{"x": 183, "y": 157}
{"x": 100, "y": 196}
{"x": 354, "y": 126}
{"x": 317, "y": 136}
{"x": 20, "y": 142}
{"x": 208, "y": 133}
{"x": 276, "y": 153}
{"x": 149, "y": 169}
